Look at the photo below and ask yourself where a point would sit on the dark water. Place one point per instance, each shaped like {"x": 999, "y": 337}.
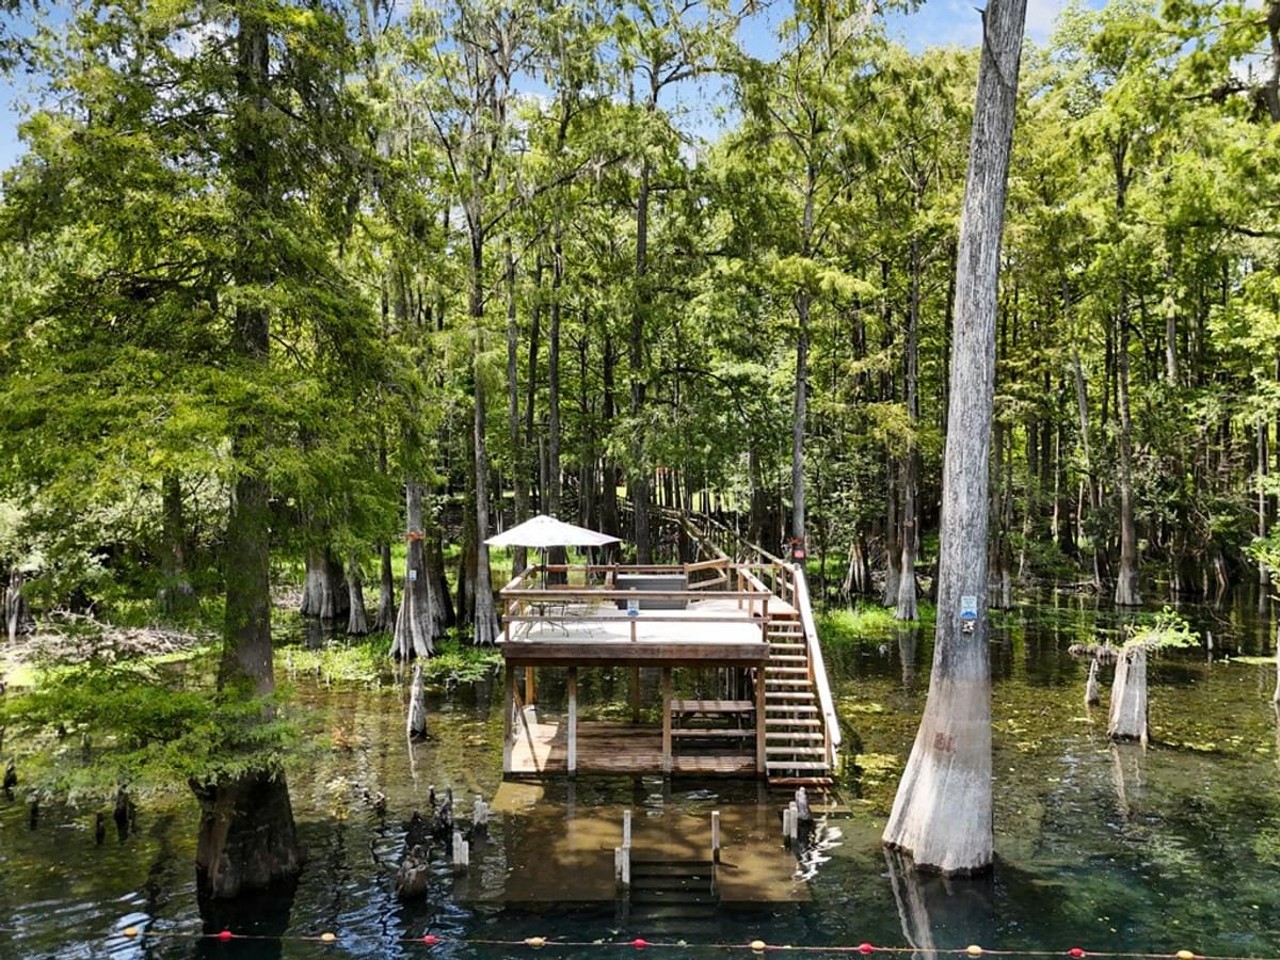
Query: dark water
{"x": 1111, "y": 848}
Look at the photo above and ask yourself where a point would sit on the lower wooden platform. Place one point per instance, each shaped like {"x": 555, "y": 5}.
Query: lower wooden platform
{"x": 619, "y": 748}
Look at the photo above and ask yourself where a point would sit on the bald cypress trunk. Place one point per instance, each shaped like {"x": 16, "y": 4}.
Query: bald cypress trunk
{"x": 942, "y": 813}
{"x": 246, "y": 837}
{"x": 413, "y": 633}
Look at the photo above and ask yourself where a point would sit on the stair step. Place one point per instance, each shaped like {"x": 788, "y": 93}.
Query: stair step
{"x": 794, "y": 751}
{"x": 673, "y": 898}
{"x": 770, "y": 669}
{"x": 797, "y": 649}
{"x": 786, "y": 681}
{"x": 787, "y": 658}
{"x": 784, "y": 695}
{"x": 772, "y": 723}
{"x": 660, "y": 882}
{"x": 793, "y": 736}
{"x": 651, "y": 912}
{"x": 773, "y": 765}
{"x": 668, "y": 868}
{"x": 787, "y": 708}
{"x": 712, "y": 733}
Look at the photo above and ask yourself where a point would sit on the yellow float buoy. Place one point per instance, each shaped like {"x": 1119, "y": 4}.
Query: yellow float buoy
{"x": 535, "y": 942}
{"x": 130, "y": 931}
{"x": 974, "y": 950}
{"x": 1185, "y": 955}
{"x": 757, "y": 946}
{"x": 327, "y": 937}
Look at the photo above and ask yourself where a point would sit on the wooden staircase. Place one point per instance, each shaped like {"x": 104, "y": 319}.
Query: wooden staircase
{"x": 671, "y": 896}
{"x": 795, "y": 742}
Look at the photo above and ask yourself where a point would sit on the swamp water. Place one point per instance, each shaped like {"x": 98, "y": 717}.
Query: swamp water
{"x": 1108, "y": 847}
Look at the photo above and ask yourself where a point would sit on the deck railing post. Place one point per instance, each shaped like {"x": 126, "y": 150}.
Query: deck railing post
{"x": 715, "y": 836}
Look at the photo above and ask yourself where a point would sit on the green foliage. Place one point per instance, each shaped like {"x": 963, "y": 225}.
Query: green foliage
{"x": 1167, "y": 630}
{"x": 866, "y": 623}
{"x": 152, "y": 724}
{"x": 458, "y": 662}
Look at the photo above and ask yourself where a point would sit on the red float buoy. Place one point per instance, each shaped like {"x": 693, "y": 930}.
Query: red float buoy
{"x": 225, "y": 935}
{"x": 639, "y": 942}
{"x": 865, "y": 948}
{"x": 430, "y": 939}
{"x": 1076, "y": 952}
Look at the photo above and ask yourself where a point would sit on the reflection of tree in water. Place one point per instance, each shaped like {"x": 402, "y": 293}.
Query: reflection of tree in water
{"x": 1127, "y": 776}
{"x": 263, "y": 914}
{"x": 938, "y": 912}
{"x": 908, "y": 651}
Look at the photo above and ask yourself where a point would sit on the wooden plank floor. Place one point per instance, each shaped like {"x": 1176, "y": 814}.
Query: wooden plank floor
{"x": 620, "y": 748}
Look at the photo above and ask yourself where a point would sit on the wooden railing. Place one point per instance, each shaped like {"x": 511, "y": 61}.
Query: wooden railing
{"x": 529, "y": 596}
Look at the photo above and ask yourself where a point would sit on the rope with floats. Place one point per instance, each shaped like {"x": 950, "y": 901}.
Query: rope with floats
{"x": 640, "y": 943}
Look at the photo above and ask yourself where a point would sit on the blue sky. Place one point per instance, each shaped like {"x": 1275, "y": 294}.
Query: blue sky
{"x": 936, "y": 23}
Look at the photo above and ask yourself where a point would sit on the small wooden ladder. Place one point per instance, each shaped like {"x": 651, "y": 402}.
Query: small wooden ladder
{"x": 795, "y": 747}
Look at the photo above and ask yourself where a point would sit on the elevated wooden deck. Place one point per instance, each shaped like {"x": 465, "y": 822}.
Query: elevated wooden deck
{"x": 711, "y": 614}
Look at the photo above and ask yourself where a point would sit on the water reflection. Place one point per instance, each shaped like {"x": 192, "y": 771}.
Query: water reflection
{"x": 1105, "y": 846}
{"x": 940, "y": 913}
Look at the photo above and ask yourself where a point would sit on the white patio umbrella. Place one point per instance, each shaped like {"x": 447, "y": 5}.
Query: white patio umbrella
{"x": 543, "y": 532}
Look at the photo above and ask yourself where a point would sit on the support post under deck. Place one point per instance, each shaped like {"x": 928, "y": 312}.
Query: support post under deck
{"x": 508, "y": 705}
{"x": 666, "y": 719}
{"x": 573, "y": 721}
{"x": 761, "y": 757}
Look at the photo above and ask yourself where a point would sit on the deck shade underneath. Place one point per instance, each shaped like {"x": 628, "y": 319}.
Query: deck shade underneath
{"x": 666, "y": 655}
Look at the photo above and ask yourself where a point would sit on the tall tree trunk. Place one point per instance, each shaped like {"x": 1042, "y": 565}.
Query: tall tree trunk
{"x": 357, "y": 621}
{"x": 246, "y": 838}
{"x": 386, "y": 618}
{"x": 485, "y": 624}
{"x": 1095, "y": 495}
{"x": 608, "y": 468}
{"x": 324, "y": 594}
{"x": 639, "y": 471}
{"x": 892, "y": 535}
{"x": 413, "y": 635}
{"x": 535, "y": 342}
{"x": 519, "y": 480}
{"x": 799, "y": 416}
{"x": 556, "y": 555}
{"x": 443, "y": 615}
{"x": 176, "y": 594}
{"x": 907, "y": 607}
{"x": 1127, "y": 576}
{"x": 1263, "y": 468}
{"x": 942, "y": 813}
{"x": 757, "y": 519}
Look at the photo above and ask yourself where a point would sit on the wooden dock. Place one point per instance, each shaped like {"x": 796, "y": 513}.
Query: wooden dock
{"x": 715, "y": 614}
